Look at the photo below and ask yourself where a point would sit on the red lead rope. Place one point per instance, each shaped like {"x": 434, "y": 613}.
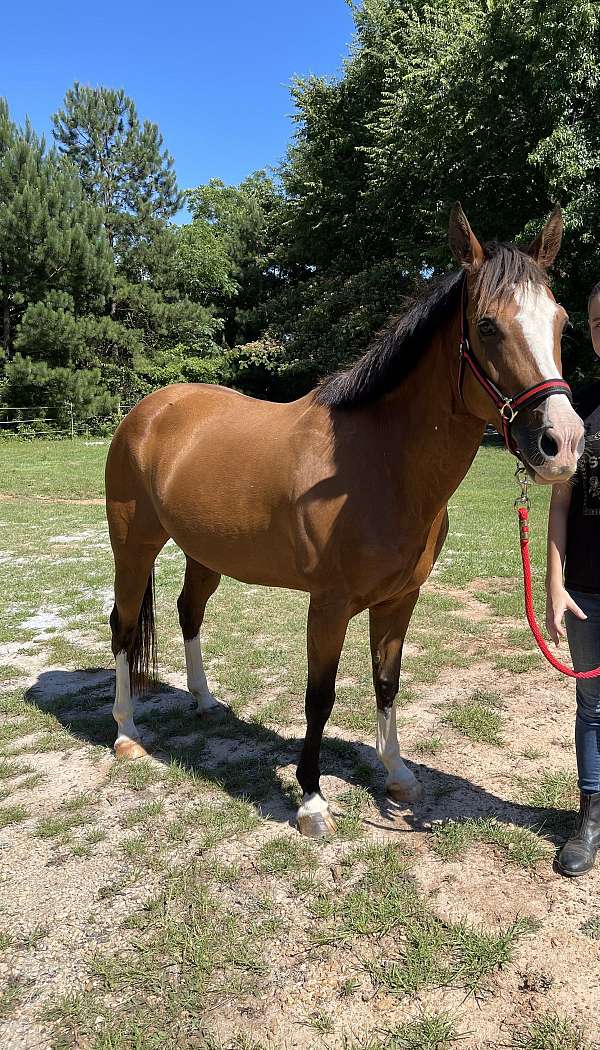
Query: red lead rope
{"x": 523, "y": 513}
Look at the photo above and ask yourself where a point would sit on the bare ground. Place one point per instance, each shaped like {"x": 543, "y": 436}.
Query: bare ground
{"x": 58, "y": 900}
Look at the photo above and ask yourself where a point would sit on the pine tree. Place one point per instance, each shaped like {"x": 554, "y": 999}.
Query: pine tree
{"x": 126, "y": 170}
{"x": 51, "y": 236}
{"x": 123, "y": 166}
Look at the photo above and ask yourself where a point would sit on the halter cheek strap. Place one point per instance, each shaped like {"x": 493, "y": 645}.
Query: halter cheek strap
{"x": 508, "y": 407}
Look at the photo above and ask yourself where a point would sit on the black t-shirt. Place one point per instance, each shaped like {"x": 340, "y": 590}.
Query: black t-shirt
{"x": 582, "y": 562}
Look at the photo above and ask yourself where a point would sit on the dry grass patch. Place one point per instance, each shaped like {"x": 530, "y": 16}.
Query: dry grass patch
{"x": 190, "y": 951}
{"x": 551, "y": 1032}
{"x": 519, "y": 846}
{"x": 477, "y": 718}
{"x": 12, "y": 815}
{"x": 431, "y": 1031}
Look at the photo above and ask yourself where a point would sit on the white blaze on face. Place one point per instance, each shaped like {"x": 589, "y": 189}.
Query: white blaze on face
{"x": 536, "y": 318}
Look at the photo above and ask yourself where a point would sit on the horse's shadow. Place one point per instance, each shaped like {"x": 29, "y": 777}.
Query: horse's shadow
{"x": 243, "y": 757}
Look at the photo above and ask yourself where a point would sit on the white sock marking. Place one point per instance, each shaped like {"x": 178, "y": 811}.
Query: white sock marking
{"x": 196, "y": 678}
{"x": 389, "y": 751}
{"x": 123, "y": 705}
{"x": 313, "y": 803}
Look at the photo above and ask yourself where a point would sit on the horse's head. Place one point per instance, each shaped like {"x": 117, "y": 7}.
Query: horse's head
{"x": 514, "y": 327}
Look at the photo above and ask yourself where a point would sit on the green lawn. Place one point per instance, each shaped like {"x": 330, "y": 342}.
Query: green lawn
{"x": 61, "y": 469}
{"x": 190, "y": 857}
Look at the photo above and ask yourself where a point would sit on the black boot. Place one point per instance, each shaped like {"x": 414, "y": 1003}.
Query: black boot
{"x": 579, "y": 852}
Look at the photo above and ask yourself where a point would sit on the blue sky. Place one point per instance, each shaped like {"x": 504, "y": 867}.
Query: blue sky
{"x": 214, "y": 74}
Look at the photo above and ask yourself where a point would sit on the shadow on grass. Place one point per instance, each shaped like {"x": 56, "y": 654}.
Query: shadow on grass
{"x": 242, "y": 757}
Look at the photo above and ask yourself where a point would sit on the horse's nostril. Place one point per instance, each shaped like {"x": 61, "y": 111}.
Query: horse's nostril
{"x": 548, "y": 445}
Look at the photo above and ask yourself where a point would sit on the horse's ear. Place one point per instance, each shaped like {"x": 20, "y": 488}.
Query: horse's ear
{"x": 464, "y": 245}
{"x": 546, "y": 246}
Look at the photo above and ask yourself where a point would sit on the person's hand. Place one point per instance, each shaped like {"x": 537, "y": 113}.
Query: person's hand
{"x": 557, "y": 601}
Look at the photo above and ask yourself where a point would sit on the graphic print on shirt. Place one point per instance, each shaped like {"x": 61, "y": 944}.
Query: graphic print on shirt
{"x": 589, "y": 465}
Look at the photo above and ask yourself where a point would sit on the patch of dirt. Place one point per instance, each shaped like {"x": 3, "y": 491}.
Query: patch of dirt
{"x": 9, "y": 497}
{"x": 68, "y": 900}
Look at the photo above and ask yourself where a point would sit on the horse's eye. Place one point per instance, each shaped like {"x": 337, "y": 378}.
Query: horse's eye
{"x": 486, "y": 326}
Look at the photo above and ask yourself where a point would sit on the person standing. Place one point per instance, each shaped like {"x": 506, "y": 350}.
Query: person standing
{"x": 573, "y": 594}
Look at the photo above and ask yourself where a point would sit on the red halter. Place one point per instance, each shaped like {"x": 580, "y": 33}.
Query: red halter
{"x": 508, "y": 407}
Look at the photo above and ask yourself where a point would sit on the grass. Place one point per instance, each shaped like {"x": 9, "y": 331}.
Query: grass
{"x": 518, "y": 663}
{"x": 354, "y": 802}
{"x": 10, "y": 769}
{"x": 551, "y": 1032}
{"x": 285, "y": 855}
{"x": 320, "y": 1022}
{"x": 433, "y": 953}
{"x": 189, "y": 953}
{"x": 431, "y": 1031}
{"x": 553, "y": 789}
{"x": 138, "y": 775}
{"x": 429, "y": 745}
{"x": 58, "y": 826}
{"x": 591, "y": 927}
{"x": 183, "y": 829}
{"x": 12, "y": 815}
{"x": 12, "y": 993}
{"x": 143, "y": 814}
{"x": 54, "y": 469}
{"x": 477, "y": 718}
{"x": 438, "y": 954}
{"x": 519, "y": 846}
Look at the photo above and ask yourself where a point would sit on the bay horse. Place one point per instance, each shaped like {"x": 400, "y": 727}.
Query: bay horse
{"x": 342, "y": 493}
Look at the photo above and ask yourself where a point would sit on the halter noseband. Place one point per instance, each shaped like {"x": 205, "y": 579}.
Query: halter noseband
{"x": 508, "y": 407}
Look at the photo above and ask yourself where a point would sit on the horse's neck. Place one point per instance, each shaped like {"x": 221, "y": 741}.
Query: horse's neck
{"x": 435, "y": 438}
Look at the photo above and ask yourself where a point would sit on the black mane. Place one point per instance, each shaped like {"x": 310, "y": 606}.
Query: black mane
{"x": 396, "y": 350}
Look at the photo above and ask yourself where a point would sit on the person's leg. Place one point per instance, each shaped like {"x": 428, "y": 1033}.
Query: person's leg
{"x": 579, "y": 852}
{"x": 584, "y": 644}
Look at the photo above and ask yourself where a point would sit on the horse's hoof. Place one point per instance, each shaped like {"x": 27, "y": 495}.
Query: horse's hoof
{"x": 317, "y": 825}
{"x": 410, "y": 792}
{"x": 207, "y": 704}
{"x": 130, "y": 749}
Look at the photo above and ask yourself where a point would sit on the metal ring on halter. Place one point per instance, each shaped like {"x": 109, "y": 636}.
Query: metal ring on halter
{"x": 513, "y": 414}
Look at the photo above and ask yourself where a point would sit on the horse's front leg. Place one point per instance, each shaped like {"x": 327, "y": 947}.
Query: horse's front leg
{"x": 326, "y": 631}
{"x": 388, "y": 624}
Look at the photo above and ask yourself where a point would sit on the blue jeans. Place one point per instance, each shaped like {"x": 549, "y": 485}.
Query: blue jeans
{"x": 584, "y": 643}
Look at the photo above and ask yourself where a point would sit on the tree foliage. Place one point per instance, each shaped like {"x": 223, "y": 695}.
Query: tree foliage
{"x": 494, "y": 103}
{"x": 276, "y": 281}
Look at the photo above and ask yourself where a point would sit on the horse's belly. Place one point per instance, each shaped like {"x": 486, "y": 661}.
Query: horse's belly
{"x": 256, "y": 559}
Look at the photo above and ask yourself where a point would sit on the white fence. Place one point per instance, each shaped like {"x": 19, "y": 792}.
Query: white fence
{"x": 60, "y": 420}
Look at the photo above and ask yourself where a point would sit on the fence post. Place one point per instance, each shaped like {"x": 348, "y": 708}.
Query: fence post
{"x": 70, "y": 403}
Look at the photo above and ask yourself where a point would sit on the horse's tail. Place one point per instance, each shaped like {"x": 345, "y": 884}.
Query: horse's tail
{"x": 143, "y": 669}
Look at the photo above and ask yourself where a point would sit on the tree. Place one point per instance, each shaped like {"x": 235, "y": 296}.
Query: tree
{"x": 51, "y": 236}
{"x": 496, "y": 104}
{"x": 234, "y": 230}
{"x": 126, "y": 170}
{"x": 123, "y": 166}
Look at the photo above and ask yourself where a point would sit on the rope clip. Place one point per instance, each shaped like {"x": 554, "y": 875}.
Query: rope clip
{"x": 522, "y": 479}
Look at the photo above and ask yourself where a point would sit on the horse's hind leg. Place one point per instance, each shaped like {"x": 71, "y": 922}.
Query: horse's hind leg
{"x": 388, "y": 624}
{"x": 136, "y": 538}
{"x": 198, "y": 585}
